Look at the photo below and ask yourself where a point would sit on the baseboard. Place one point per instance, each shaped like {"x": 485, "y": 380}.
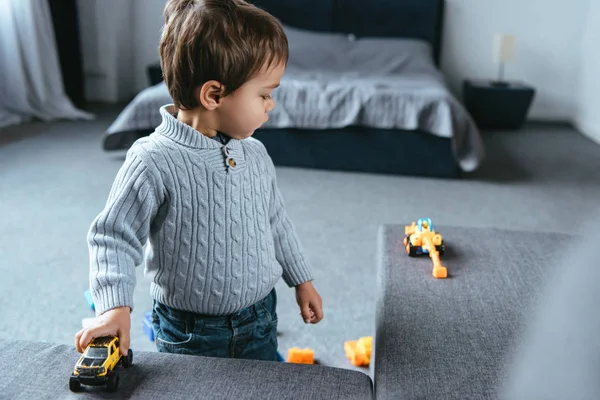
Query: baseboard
{"x": 590, "y": 130}
{"x": 550, "y": 122}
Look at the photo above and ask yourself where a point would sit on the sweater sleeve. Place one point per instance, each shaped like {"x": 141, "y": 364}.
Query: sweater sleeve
{"x": 288, "y": 248}
{"x": 117, "y": 236}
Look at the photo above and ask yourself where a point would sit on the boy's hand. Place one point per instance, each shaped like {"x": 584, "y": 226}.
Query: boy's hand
{"x": 310, "y": 303}
{"x": 115, "y": 322}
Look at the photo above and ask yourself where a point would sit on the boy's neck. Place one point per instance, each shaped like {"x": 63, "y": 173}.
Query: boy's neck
{"x": 199, "y": 120}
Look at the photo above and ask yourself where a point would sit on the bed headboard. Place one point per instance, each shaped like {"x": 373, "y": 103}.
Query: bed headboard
{"x": 415, "y": 19}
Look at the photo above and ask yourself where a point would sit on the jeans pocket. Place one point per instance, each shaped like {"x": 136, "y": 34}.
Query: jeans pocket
{"x": 266, "y": 319}
{"x": 166, "y": 346}
{"x": 172, "y": 333}
{"x": 263, "y": 343}
{"x": 268, "y": 307}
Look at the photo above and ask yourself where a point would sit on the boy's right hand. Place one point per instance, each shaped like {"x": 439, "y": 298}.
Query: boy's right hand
{"x": 115, "y": 322}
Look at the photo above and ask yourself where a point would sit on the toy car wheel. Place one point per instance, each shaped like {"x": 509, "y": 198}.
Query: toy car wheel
{"x": 113, "y": 381}
{"x": 411, "y": 250}
{"x": 127, "y": 361}
{"x": 441, "y": 249}
{"x": 74, "y": 384}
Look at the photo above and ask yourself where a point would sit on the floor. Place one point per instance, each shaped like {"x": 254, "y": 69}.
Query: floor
{"x": 54, "y": 179}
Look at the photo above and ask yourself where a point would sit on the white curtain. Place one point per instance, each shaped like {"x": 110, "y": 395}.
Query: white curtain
{"x": 31, "y": 83}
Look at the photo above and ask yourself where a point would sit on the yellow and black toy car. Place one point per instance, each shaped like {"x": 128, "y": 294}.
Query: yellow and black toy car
{"x": 96, "y": 366}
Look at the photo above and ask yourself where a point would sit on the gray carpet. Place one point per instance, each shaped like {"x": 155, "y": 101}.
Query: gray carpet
{"x": 53, "y": 184}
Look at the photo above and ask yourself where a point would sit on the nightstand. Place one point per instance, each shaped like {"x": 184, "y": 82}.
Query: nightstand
{"x": 154, "y": 73}
{"x": 497, "y": 105}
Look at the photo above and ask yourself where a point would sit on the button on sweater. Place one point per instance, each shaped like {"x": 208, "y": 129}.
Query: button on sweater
{"x": 217, "y": 233}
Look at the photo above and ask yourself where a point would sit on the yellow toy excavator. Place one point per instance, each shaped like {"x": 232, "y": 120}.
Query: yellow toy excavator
{"x": 420, "y": 238}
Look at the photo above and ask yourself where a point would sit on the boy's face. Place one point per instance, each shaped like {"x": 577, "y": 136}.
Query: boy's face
{"x": 245, "y": 110}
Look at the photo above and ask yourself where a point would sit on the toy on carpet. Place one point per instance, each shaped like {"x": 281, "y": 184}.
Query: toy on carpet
{"x": 280, "y": 357}
{"x": 359, "y": 351}
{"x": 420, "y": 238}
{"x": 88, "y": 297}
{"x": 96, "y": 366}
{"x": 147, "y": 326}
{"x": 301, "y": 356}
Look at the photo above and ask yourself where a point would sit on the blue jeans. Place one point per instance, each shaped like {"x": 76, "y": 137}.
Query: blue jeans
{"x": 250, "y": 333}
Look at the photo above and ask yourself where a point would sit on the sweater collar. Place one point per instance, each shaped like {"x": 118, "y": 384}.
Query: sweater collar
{"x": 184, "y": 134}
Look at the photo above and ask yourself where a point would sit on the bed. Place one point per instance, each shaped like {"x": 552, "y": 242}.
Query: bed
{"x": 362, "y": 92}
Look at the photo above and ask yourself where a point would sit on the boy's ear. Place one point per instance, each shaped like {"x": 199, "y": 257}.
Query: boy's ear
{"x": 210, "y": 94}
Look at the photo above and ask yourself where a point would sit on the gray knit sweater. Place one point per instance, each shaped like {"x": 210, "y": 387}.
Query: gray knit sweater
{"x": 217, "y": 231}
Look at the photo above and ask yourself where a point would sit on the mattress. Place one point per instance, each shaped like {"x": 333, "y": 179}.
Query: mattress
{"x": 335, "y": 81}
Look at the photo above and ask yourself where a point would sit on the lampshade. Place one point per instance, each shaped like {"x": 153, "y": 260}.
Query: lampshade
{"x": 504, "y": 48}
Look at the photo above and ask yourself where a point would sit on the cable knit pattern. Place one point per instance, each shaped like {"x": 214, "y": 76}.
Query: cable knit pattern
{"x": 218, "y": 235}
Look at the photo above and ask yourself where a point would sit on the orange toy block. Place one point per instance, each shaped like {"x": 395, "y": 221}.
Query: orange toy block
{"x": 301, "y": 356}
{"x": 359, "y": 351}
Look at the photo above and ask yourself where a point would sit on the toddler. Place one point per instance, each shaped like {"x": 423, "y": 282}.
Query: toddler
{"x": 203, "y": 195}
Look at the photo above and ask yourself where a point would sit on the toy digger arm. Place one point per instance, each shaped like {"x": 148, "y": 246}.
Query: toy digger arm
{"x": 439, "y": 271}
{"x": 428, "y": 245}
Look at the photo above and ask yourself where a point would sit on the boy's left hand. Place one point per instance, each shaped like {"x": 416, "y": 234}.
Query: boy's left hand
{"x": 310, "y": 303}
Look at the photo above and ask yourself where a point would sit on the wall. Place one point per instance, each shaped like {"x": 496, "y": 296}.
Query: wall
{"x": 548, "y": 46}
{"x": 588, "y": 115}
{"x": 147, "y": 36}
{"x": 547, "y": 52}
{"x": 119, "y": 39}
{"x": 105, "y": 54}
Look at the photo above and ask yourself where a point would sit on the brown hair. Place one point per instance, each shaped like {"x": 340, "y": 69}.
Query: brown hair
{"x": 224, "y": 40}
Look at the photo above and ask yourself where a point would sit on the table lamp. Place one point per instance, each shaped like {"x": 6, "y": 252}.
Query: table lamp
{"x": 504, "y": 52}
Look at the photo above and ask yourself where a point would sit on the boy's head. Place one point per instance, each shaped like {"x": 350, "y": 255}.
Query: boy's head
{"x": 225, "y": 56}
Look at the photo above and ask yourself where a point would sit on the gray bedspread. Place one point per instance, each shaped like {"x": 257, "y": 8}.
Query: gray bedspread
{"x": 334, "y": 81}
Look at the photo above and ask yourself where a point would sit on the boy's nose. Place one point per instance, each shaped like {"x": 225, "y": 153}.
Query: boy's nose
{"x": 270, "y": 105}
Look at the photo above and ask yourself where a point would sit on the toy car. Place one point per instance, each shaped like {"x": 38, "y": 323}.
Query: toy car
{"x": 420, "y": 238}
{"x": 96, "y": 366}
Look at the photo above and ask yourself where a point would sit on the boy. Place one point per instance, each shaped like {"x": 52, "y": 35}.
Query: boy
{"x": 205, "y": 197}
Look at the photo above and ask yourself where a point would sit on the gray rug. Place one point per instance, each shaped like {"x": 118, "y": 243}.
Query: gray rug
{"x": 52, "y": 185}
